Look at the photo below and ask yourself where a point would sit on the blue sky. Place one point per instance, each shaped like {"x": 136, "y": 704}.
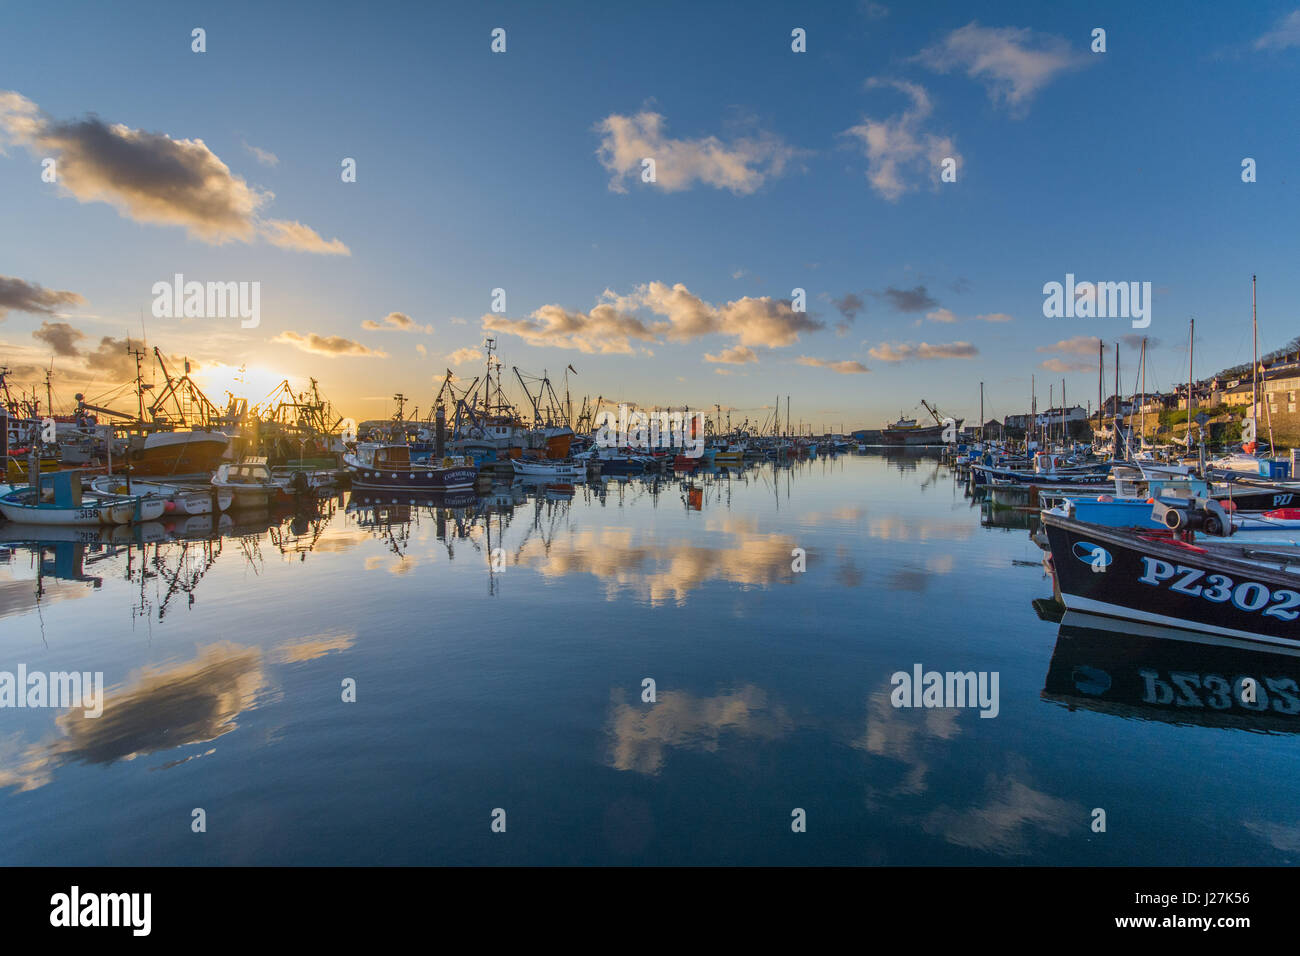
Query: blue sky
{"x": 479, "y": 170}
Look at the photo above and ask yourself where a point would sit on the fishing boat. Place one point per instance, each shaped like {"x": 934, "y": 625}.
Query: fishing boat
{"x": 59, "y": 499}
{"x": 550, "y": 470}
{"x": 251, "y": 484}
{"x": 177, "y": 499}
{"x": 1245, "y": 587}
{"x": 731, "y": 455}
{"x": 302, "y": 480}
{"x": 389, "y": 467}
{"x": 1049, "y": 469}
{"x": 615, "y": 461}
{"x": 908, "y": 431}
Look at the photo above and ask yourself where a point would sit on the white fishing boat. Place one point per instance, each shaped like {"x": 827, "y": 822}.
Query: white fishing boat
{"x": 177, "y": 499}
{"x": 550, "y": 470}
{"x": 251, "y": 483}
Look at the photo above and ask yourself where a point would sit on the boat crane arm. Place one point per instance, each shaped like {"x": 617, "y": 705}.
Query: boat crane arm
{"x": 84, "y": 406}
{"x": 933, "y": 413}
{"x": 537, "y": 414}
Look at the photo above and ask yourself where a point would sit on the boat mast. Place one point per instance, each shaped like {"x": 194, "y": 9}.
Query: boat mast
{"x": 1268, "y": 411}
{"x": 138, "y": 354}
{"x": 1142, "y": 428}
{"x": 1118, "y": 421}
{"x": 981, "y": 412}
{"x": 1101, "y": 367}
{"x": 1191, "y": 398}
{"x": 1254, "y": 365}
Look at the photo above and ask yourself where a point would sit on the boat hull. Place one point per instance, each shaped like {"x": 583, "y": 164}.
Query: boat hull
{"x": 178, "y": 501}
{"x": 549, "y": 471}
{"x": 930, "y": 435}
{"x": 420, "y": 480}
{"x": 248, "y": 496}
{"x": 89, "y": 513}
{"x": 178, "y": 453}
{"x": 79, "y": 517}
{"x": 1155, "y": 580}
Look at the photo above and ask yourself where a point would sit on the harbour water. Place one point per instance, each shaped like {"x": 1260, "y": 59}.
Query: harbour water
{"x": 499, "y": 650}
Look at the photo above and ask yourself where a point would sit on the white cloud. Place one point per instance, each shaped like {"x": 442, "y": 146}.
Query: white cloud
{"x": 264, "y": 156}
{"x": 461, "y": 356}
{"x": 896, "y": 352}
{"x": 1013, "y": 63}
{"x": 396, "y": 321}
{"x": 741, "y": 165}
{"x": 1079, "y": 345}
{"x": 842, "y": 367}
{"x": 1060, "y": 365}
{"x": 1285, "y": 34}
{"x": 612, "y": 327}
{"x": 152, "y": 178}
{"x": 736, "y": 355}
{"x": 330, "y": 346}
{"x": 897, "y": 147}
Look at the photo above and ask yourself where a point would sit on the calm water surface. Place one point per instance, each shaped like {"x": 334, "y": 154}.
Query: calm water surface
{"x": 520, "y": 687}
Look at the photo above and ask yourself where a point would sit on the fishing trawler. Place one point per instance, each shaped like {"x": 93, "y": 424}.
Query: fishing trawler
{"x": 908, "y": 431}
{"x": 390, "y": 467}
{"x": 170, "y": 436}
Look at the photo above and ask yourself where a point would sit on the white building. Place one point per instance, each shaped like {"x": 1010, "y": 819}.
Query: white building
{"x": 1054, "y": 416}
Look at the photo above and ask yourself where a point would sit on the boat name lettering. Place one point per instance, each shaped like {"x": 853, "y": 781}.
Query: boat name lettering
{"x": 1219, "y": 589}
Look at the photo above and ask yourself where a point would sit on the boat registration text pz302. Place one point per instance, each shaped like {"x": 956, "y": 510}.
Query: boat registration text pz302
{"x": 1282, "y": 604}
